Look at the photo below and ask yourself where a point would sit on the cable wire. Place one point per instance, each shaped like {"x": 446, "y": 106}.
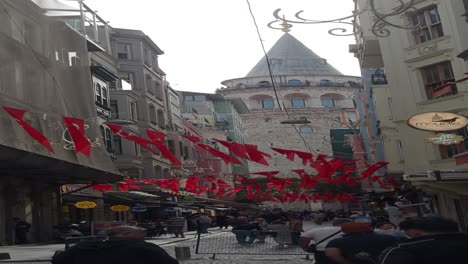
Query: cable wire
{"x": 273, "y": 83}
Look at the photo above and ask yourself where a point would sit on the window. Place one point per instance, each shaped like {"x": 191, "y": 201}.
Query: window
{"x": 268, "y": 103}
{"x": 105, "y": 97}
{"x": 328, "y": 102}
{"x": 152, "y": 114}
{"x": 155, "y": 62}
{"x": 108, "y": 140}
{"x": 351, "y": 116}
{"x": 435, "y": 79}
{"x": 128, "y": 77}
{"x": 147, "y": 57}
{"x": 199, "y": 98}
{"x": 448, "y": 151}
{"x": 137, "y": 149}
{"x": 264, "y": 84}
{"x": 161, "y": 119}
{"x": 124, "y": 51}
{"x": 171, "y": 146}
{"x": 306, "y": 130}
{"x": 465, "y": 3}
{"x": 97, "y": 88}
{"x": 188, "y": 98}
{"x": 186, "y": 153}
{"x": 114, "y": 106}
{"x": 401, "y": 153}
{"x": 297, "y": 102}
{"x": 159, "y": 90}
{"x": 149, "y": 84}
{"x": 294, "y": 83}
{"x": 428, "y": 25}
{"x": 133, "y": 111}
{"x": 117, "y": 145}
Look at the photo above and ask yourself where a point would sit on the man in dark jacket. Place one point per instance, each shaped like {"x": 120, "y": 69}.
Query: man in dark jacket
{"x": 433, "y": 240}
{"x": 125, "y": 245}
{"x": 359, "y": 245}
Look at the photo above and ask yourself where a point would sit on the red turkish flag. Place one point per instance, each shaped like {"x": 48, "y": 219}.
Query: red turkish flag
{"x": 237, "y": 149}
{"x": 157, "y": 138}
{"x": 117, "y": 129}
{"x": 194, "y": 139}
{"x": 304, "y": 156}
{"x": 18, "y": 115}
{"x": 77, "y": 132}
{"x": 256, "y": 155}
{"x": 372, "y": 169}
{"x": 225, "y": 157}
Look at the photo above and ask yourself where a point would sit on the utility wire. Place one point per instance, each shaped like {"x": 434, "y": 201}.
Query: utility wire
{"x": 273, "y": 83}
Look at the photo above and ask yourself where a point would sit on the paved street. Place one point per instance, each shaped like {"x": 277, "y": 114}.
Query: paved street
{"x": 215, "y": 240}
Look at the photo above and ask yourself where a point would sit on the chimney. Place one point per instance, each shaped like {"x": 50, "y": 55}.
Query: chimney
{"x": 324, "y": 61}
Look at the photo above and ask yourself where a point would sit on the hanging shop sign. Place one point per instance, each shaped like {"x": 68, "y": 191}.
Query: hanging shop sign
{"x": 444, "y": 139}
{"x": 85, "y": 205}
{"x": 139, "y": 209}
{"x": 119, "y": 208}
{"x": 437, "y": 121}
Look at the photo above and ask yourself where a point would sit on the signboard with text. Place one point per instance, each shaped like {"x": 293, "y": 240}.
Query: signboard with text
{"x": 438, "y": 121}
{"x": 444, "y": 139}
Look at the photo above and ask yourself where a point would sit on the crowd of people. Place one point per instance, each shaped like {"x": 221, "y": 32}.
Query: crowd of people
{"x": 346, "y": 238}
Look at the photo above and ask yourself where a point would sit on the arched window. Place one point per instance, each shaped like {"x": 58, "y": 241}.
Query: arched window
{"x": 328, "y": 102}
{"x": 268, "y": 103}
{"x": 294, "y": 82}
{"x": 105, "y": 96}
{"x": 297, "y": 102}
{"x": 152, "y": 114}
{"x": 306, "y": 130}
{"x": 97, "y": 87}
{"x": 106, "y": 138}
{"x": 161, "y": 120}
{"x": 264, "y": 84}
{"x": 149, "y": 84}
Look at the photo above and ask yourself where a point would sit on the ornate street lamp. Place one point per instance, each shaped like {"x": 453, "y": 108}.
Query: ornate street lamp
{"x": 379, "y": 26}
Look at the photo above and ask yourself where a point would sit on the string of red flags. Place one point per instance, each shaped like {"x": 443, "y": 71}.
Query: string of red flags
{"x": 330, "y": 171}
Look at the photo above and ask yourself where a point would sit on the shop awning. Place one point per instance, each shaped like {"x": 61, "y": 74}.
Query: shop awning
{"x": 20, "y": 163}
{"x": 133, "y": 197}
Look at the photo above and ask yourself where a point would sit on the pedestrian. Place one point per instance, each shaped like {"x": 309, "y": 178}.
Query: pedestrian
{"x": 125, "y": 244}
{"x": 176, "y": 225}
{"x": 21, "y": 230}
{"x": 204, "y": 222}
{"x": 245, "y": 232}
{"x": 295, "y": 226}
{"x": 433, "y": 240}
{"x": 221, "y": 220}
{"x": 321, "y": 236}
{"x": 358, "y": 245}
{"x": 263, "y": 225}
{"x": 387, "y": 228}
{"x": 280, "y": 232}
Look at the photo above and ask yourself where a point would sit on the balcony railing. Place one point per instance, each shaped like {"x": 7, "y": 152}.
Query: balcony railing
{"x": 323, "y": 83}
{"x": 437, "y": 91}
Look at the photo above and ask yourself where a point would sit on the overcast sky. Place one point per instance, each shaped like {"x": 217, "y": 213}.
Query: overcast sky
{"x": 208, "y": 41}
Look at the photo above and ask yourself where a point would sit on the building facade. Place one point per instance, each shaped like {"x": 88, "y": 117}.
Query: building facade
{"x": 46, "y": 72}
{"x": 306, "y": 86}
{"x": 421, "y": 69}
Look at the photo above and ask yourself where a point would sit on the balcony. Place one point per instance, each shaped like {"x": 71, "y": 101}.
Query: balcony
{"x": 435, "y": 91}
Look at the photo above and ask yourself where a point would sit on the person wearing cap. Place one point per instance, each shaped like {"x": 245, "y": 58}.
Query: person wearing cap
{"x": 125, "y": 244}
{"x": 434, "y": 240}
{"x": 359, "y": 245}
{"x": 321, "y": 236}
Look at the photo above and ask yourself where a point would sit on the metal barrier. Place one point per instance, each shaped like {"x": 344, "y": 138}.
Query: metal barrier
{"x": 75, "y": 240}
{"x": 250, "y": 243}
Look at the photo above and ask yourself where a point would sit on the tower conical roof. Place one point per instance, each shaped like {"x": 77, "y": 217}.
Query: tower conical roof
{"x": 290, "y": 57}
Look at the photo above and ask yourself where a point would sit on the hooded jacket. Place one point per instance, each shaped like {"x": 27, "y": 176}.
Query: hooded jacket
{"x": 432, "y": 249}
{"x": 114, "y": 251}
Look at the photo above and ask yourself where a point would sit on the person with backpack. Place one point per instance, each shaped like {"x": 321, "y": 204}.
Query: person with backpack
{"x": 359, "y": 245}
{"x": 315, "y": 240}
